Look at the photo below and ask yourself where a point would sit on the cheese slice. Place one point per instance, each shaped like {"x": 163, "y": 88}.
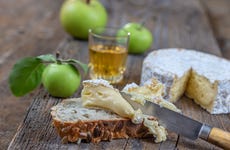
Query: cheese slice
{"x": 151, "y": 91}
{"x": 100, "y": 93}
{"x": 202, "y": 77}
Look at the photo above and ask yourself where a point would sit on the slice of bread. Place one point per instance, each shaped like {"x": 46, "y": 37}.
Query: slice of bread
{"x": 75, "y": 123}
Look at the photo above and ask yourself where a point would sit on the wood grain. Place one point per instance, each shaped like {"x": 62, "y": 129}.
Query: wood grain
{"x": 178, "y": 23}
{"x": 218, "y": 14}
{"x": 27, "y": 28}
{"x": 220, "y": 137}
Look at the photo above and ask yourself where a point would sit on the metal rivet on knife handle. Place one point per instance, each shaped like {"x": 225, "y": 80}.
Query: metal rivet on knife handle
{"x": 205, "y": 131}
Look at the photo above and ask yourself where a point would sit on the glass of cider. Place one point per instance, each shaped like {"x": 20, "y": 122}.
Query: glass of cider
{"x": 108, "y": 52}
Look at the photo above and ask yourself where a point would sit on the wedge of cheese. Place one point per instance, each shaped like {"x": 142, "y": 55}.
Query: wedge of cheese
{"x": 202, "y": 77}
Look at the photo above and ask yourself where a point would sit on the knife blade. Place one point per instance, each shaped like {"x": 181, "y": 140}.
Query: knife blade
{"x": 182, "y": 124}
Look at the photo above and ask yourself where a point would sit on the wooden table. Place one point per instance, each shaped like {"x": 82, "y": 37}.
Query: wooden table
{"x": 174, "y": 23}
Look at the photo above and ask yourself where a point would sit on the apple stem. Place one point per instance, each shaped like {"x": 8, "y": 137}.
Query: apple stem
{"x": 87, "y": 1}
{"x": 57, "y": 57}
{"x": 57, "y": 54}
{"x": 142, "y": 24}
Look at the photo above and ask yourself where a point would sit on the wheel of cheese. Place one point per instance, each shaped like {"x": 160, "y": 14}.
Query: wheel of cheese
{"x": 200, "y": 76}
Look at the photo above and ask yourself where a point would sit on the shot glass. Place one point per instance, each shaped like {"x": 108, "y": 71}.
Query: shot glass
{"x": 108, "y": 51}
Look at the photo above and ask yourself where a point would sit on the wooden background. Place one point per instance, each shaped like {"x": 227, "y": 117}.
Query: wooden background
{"x": 31, "y": 28}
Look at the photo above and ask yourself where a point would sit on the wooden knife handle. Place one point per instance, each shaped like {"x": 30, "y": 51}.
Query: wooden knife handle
{"x": 220, "y": 138}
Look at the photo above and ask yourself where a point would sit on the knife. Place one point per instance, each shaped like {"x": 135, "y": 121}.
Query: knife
{"x": 183, "y": 125}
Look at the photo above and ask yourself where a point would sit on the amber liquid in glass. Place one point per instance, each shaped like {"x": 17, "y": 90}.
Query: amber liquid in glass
{"x": 107, "y": 62}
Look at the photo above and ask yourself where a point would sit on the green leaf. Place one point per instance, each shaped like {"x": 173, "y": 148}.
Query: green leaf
{"x": 26, "y": 75}
{"x": 82, "y": 65}
{"x": 47, "y": 58}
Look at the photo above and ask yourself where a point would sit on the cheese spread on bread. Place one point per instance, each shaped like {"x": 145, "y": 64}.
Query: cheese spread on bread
{"x": 99, "y": 93}
{"x": 75, "y": 123}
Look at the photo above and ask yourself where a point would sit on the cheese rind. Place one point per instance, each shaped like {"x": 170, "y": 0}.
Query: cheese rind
{"x": 185, "y": 71}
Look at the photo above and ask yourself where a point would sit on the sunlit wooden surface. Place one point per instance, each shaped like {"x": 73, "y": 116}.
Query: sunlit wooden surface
{"x": 31, "y": 28}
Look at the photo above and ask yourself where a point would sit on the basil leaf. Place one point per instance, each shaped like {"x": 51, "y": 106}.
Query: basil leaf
{"x": 26, "y": 75}
{"x": 82, "y": 65}
{"x": 47, "y": 58}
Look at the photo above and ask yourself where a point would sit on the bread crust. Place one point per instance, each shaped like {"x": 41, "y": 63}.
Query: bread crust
{"x": 98, "y": 130}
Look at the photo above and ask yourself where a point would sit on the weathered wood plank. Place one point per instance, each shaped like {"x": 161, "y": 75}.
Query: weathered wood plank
{"x": 137, "y": 144}
{"x": 176, "y": 23}
{"x": 28, "y": 28}
{"x": 218, "y": 13}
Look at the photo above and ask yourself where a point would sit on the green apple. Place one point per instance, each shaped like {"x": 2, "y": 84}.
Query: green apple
{"x": 78, "y": 16}
{"x": 140, "y": 38}
{"x": 61, "y": 80}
